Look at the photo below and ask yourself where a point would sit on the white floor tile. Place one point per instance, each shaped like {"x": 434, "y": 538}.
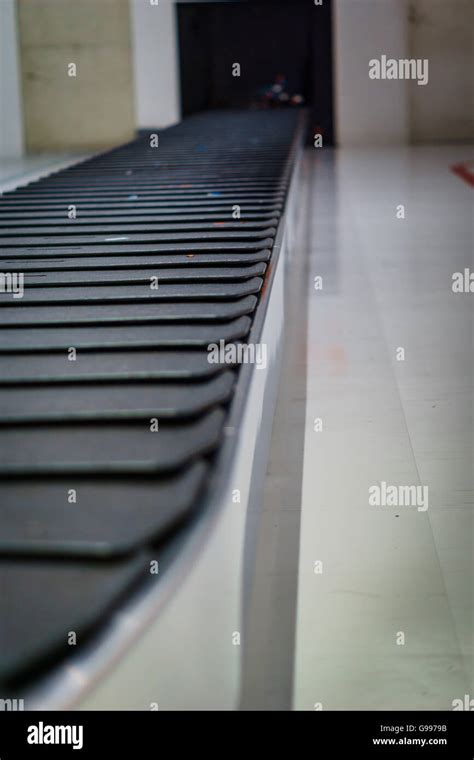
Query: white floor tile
{"x": 386, "y": 570}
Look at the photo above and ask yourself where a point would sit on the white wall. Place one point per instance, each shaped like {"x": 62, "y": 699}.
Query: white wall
{"x": 155, "y": 61}
{"x": 369, "y": 112}
{"x": 11, "y": 120}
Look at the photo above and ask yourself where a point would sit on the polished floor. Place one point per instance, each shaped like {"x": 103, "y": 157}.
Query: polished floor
{"x": 18, "y": 171}
{"x": 385, "y": 593}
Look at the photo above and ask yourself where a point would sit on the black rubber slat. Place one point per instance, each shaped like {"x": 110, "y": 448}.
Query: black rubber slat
{"x": 125, "y": 401}
{"x": 135, "y": 238}
{"x": 132, "y": 293}
{"x": 112, "y": 367}
{"x": 131, "y": 250}
{"x": 42, "y": 603}
{"x": 106, "y": 338}
{"x": 186, "y": 311}
{"x": 55, "y": 523}
{"x": 146, "y": 177}
{"x": 145, "y": 276}
{"x": 17, "y": 204}
{"x": 132, "y": 216}
{"x": 57, "y": 264}
{"x": 68, "y": 228}
{"x": 114, "y": 448}
{"x": 78, "y": 196}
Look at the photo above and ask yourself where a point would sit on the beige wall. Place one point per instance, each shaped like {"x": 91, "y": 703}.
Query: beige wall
{"x": 442, "y": 32}
{"x": 11, "y": 116}
{"x": 95, "y": 108}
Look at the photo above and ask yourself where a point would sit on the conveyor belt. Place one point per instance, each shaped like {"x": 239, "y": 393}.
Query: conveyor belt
{"x": 107, "y": 448}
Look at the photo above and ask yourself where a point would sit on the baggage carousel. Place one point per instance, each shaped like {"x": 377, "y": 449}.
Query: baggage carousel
{"x": 129, "y": 461}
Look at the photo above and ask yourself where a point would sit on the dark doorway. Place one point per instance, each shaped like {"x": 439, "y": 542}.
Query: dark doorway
{"x": 283, "y": 49}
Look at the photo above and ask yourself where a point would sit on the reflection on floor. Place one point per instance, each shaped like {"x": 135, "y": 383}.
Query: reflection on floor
{"x": 19, "y": 171}
{"x": 385, "y": 593}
